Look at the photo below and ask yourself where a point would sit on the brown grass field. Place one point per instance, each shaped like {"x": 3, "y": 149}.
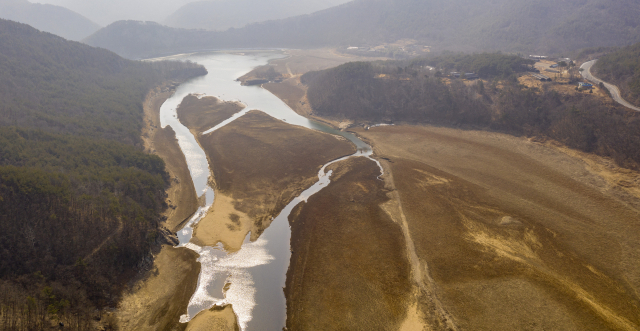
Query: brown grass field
{"x": 202, "y": 114}
{"x": 515, "y": 235}
{"x": 501, "y": 233}
{"x": 259, "y": 165}
{"x": 469, "y": 230}
{"x": 348, "y": 268}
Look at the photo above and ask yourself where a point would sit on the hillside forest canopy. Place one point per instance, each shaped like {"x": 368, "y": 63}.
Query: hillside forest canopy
{"x": 80, "y": 202}
{"x": 622, "y": 68}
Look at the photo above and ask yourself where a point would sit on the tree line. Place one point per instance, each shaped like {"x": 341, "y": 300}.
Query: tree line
{"x": 385, "y": 92}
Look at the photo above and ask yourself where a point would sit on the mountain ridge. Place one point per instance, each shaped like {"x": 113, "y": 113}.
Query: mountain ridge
{"x": 49, "y": 18}
{"x": 505, "y": 25}
{"x": 220, "y": 15}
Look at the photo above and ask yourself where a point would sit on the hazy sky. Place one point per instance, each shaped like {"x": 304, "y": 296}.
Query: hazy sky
{"x": 105, "y": 12}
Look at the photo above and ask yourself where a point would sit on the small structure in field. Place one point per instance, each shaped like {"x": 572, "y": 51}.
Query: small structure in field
{"x": 454, "y": 74}
{"x": 471, "y": 75}
{"x": 585, "y": 86}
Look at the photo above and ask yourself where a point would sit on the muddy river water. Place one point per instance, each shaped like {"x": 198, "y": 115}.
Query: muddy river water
{"x": 251, "y": 279}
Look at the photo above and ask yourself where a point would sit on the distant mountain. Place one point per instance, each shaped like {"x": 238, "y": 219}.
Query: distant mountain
{"x": 106, "y": 12}
{"x": 536, "y": 26}
{"x": 220, "y": 15}
{"x": 53, "y": 19}
{"x": 134, "y": 39}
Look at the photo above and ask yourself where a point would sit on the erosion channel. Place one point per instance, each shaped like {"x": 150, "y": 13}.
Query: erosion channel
{"x": 243, "y": 240}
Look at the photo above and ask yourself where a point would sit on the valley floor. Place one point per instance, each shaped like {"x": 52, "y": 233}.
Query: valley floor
{"x": 466, "y": 230}
{"x": 498, "y": 233}
{"x": 515, "y": 234}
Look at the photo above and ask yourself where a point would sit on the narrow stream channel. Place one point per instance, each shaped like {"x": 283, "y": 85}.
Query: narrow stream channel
{"x": 251, "y": 279}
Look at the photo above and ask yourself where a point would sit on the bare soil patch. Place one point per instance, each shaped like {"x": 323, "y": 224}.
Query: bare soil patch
{"x": 201, "y": 114}
{"x": 157, "y": 301}
{"x": 515, "y": 235}
{"x": 301, "y": 61}
{"x": 349, "y": 269}
{"x": 293, "y": 93}
{"x": 216, "y": 318}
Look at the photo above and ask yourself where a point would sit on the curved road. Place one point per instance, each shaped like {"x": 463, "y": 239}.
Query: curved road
{"x": 615, "y": 92}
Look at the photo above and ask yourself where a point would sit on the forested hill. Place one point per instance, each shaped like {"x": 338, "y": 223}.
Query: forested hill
{"x": 54, "y": 19}
{"x": 406, "y": 92}
{"x": 80, "y": 201}
{"x": 535, "y": 26}
{"x": 622, "y": 68}
{"x": 57, "y": 85}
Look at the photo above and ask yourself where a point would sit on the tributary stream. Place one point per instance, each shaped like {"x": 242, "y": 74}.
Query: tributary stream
{"x": 251, "y": 279}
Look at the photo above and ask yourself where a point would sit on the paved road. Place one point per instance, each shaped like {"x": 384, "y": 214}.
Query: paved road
{"x": 615, "y": 92}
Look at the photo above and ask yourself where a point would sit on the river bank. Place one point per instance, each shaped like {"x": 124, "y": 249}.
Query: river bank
{"x": 160, "y": 297}
{"x": 348, "y": 268}
{"x": 182, "y": 198}
{"x": 259, "y": 164}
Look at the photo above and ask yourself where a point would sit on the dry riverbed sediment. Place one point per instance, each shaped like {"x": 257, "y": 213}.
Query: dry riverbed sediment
{"x": 161, "y": 295}
{"x": 515, "y": 234}
{"x": 348, "y": 268}
{"x": 259, "y": 164}
{"x": 500, "y": 233}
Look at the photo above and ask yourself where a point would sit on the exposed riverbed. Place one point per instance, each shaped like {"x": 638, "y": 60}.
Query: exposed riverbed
{"x": 251, "y": 280}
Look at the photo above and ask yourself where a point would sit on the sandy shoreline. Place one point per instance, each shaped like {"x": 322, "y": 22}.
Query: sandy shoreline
{"x": 259, "y": 164}
{"x": 162, "y": 295}
{"x": 249, "y": 194}
{"x": 182, "y": 198}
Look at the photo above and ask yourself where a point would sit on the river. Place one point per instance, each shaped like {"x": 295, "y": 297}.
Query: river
{"x": 251, "y": 279}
